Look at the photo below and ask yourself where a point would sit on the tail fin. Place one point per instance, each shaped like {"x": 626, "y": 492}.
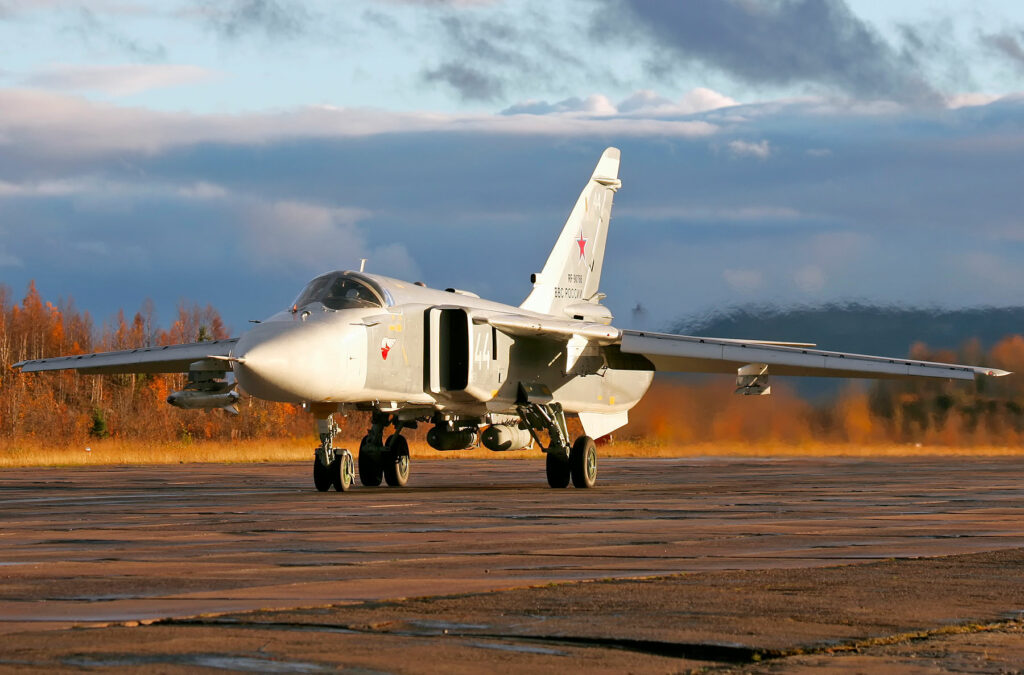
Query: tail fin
{"x": 573, "y": 271}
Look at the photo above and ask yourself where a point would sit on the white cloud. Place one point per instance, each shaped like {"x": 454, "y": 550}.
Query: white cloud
{"x": 117, "y": 80}
{"x": 69, "y": 126}
{"x": 46, "y": 188}
{"x": 202, "y": 190}
{"x": 751, "y": 213}
{"x": 744, "y": 280}
{"x": 644, "y": 99}
{"x": 760, "y": 150}
{"x": 695, "y": 101}
{"x": 809, "y": 279}
{"x": 970, "y": 100}
{"x": 837, "y": 248}
{"x": 595, "y": 104}
{"x": 289, "y": 232}
{"x": 644, "y": 102}
{"x": 104, "y": 188}
{"x": 992, "y": 269}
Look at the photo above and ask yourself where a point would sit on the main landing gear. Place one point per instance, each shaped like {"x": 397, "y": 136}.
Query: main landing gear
{"x": 380, "y": 459}
{"x": 577, "y": 463}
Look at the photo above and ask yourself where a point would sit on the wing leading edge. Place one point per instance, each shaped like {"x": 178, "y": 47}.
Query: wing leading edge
{"x": 169, "y": 359}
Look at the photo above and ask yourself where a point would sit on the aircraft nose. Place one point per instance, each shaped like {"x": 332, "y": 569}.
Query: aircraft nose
{"x": 274, "y": 361}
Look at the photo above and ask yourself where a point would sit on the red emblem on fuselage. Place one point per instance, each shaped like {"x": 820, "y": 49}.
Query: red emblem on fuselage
{"x": 385, "y": 347}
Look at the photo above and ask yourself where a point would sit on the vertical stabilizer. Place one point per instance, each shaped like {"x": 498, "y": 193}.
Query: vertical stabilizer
{"x": 572, "y": 274}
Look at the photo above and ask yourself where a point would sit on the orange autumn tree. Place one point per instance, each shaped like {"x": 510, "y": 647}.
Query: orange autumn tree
{"x": 66, "y": 406}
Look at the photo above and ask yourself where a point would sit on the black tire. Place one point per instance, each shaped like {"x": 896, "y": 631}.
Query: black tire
{"x": 341, "y": 471}
{"x": 557, "y": 468}
{"x": 321, "y": 476}
{"x": 396, "y": 461}
{"x": 370, "y": 469}
{"x": 583, "y": 462}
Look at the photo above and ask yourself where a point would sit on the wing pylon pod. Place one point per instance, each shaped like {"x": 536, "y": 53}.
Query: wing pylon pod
{"x": 752, "y": 380}
{"x": 209, "y": 387}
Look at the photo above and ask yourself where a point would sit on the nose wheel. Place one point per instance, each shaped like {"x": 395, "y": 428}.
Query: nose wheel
{"x": 338, "y": 473}
{"x": 321, "y": 476}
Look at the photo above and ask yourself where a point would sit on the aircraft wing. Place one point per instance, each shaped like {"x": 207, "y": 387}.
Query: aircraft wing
{"x": 683, "y": 353}
{"x": 169, "y": 359}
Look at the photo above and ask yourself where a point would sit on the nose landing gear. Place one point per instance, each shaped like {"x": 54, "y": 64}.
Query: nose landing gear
{"x": 331, "y": 467}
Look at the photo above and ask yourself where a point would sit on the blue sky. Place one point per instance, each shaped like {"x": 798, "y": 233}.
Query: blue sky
{"x": 784, "y": 151}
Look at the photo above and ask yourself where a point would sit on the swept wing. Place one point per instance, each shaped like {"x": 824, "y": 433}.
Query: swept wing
{"x": 169, "y": 359}
{"x": 684, "y": 353}
{"x": 711, "y": 355}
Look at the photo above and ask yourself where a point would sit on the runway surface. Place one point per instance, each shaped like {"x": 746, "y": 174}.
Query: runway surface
{"x": 668, "y": 565}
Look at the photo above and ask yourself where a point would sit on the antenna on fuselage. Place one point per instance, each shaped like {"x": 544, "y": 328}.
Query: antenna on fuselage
{"x": 362, "y": 264}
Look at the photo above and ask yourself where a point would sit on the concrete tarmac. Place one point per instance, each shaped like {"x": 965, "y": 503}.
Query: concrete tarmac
{"x": 750, "y": 564}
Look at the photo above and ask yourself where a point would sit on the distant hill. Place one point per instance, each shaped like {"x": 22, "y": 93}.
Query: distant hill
{"x": 866, "y": 329}
{"x": 861, "y": 328}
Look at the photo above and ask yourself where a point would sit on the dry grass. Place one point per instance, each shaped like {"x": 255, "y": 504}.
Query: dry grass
{"x": 112, "y": 451}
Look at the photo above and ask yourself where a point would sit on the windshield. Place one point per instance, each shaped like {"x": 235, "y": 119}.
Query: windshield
{"x": 337, "y": 291}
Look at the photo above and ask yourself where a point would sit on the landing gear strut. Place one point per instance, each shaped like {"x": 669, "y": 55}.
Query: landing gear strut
{"x": 578, "y": 463}
{"x": 331, "y": 467}
{"x": 384, "y": 460}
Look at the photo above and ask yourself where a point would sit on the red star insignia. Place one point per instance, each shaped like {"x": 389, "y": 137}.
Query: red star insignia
{"x": 582, "y": 241}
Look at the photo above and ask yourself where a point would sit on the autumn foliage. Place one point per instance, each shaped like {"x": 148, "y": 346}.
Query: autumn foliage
{"x": 60, "y": 407}
{"x": 65, "y": 407}
{"x": 884, "y": 412}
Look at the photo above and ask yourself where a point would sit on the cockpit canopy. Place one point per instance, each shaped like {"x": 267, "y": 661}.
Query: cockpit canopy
{"x": 340, "y": 290}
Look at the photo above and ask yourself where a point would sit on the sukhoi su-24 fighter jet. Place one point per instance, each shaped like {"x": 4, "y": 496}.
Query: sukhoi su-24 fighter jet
{"x": 477, "y": 371}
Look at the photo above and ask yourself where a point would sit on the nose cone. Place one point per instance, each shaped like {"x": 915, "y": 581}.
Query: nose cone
{"x": 291, "y": 361}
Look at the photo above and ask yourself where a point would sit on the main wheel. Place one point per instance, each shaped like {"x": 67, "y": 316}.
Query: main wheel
{"x": 583, "y": 462}
{"x": 342, "y": 471}
{"x": 557, "y": 468}
{"x": 321, "y": 476}
{"x": 370, "y": 469}
{"x": 396, "y": 461}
